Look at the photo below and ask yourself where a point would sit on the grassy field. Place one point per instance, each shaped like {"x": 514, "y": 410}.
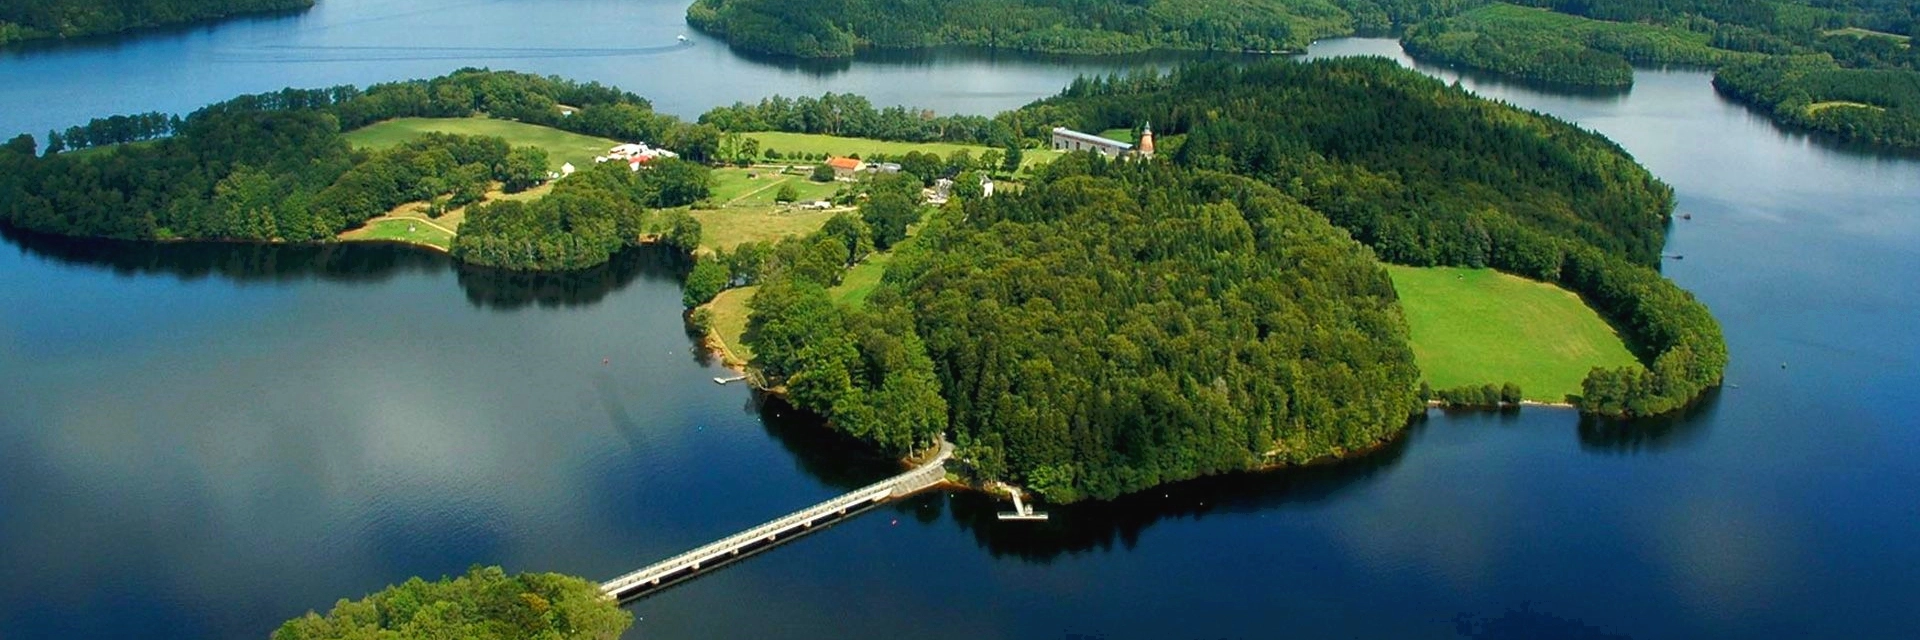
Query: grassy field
{"x": 861, "y": 280}
{"x": 1857, "y": 32}
{"x": 730, "y": 320}
{"x": 835, "y": 145}
{"x": 1478, "y": 326}
{"x": 727, "y": 227}
{"x": 747, "y": 211}
{"x": 562, "y": 146}
{"x": 757, "y": 186}
{"x": 402, "y": 230}
{"x": 1818, "y": 107}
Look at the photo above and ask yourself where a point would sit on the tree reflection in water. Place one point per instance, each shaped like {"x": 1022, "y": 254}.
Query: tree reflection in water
{"x": 352, "y": 262}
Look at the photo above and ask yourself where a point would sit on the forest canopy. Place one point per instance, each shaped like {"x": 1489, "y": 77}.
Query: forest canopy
{"x": 484, "y": 604}
{"x": 274, "y": 166}
{"x": 34, "y": 19}
{"x": 1427, "y": 174}
{"x": 1118, "y": 326}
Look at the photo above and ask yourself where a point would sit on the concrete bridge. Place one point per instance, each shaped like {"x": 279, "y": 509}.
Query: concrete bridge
{"x": 672, "y": 570}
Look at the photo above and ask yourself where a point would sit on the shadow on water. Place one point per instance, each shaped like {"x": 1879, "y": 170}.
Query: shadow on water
{"x": 135, "y": 37}
{"x": 237, "y": 261}
{"x": 351, "y": 262}
{"x": 837, "y": 460}
{"x": 949, "y": 55}
{"x": 507, "y": 290}
{"x": 1650, "y": 435}
{"x": 1100, "y": 526}
{"x": 845, "y": 463}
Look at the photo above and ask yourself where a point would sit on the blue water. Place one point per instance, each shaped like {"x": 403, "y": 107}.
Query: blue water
{"x": 202, "y": 441}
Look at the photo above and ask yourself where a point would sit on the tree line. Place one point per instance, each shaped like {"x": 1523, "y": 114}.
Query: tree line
{"x": 863, "y": 367}
{"x": 585, "y": 219}
{"x": 274, "y": 167}
{"x": 844, "y": 114}
{"x": 22, "y": 20}
{"x": 1426, "y": 175}
{"x": 1844, "y": 68}
{"x": 840, "y": 28}
{"x": 483, "y": 604}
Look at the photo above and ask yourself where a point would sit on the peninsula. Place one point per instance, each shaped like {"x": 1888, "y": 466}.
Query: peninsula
{"x": 1204, "y": 296}
{"x": 1846, "y": 69}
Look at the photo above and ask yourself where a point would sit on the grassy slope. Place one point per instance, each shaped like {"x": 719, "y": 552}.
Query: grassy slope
{"x": 1477, "y": 326}
{"x": 730, "y": 320}
{"x": 562, "y": 146}
{"x": 835, "y": 145}
{"x": 747, "y": 211}
{"x": 402, "y": 230}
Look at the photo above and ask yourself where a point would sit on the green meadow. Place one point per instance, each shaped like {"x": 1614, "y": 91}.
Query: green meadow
{"x": 1480, "y": 326}
{"x": 562, "y": 146}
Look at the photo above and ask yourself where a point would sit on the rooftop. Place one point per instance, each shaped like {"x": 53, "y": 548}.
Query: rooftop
{"x": 1090, "y": 138}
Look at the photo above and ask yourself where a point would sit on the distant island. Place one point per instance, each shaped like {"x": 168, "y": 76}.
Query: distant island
{"x": 25, "y": 20}
{"x": 1846, "y": 69}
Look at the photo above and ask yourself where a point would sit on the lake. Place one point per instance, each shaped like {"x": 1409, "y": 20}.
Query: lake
{"x": 200, "y": 441}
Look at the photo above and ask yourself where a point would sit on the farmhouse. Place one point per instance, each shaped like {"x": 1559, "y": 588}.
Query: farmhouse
{"x": 845, "y": 168}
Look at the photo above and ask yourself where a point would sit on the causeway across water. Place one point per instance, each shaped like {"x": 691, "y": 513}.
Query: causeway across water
{"x": 667, "y": 572}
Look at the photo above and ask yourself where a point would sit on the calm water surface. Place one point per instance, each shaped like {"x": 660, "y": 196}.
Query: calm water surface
{"x": 201, "y": 441}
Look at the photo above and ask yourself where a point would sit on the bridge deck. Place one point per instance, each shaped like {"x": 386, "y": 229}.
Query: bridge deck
{"x": 921, "y": 477}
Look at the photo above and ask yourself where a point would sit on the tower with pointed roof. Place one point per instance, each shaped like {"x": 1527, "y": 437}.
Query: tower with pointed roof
{"x": 1146, "y": 140}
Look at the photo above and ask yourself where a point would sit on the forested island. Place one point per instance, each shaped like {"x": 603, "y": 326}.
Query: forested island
{"x": 24, "y": 20}
{"x": 275, "y": 168}
{"x": 1841, "y": 68}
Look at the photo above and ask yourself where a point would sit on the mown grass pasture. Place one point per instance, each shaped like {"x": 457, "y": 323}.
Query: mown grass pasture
{"x": 1480, "y": 326}
{"x": 562, "y": 146}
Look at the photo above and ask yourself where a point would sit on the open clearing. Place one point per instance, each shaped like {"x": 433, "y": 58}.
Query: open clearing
{"x": 729, "y": 311}
{"x": 747, "y": 212}
{"x": 788, "y": 143}
{"x": 1858, "y": 32}
{"x": 402, "y": 230}
{"x": 562, "y": 146}
{"x": 1480, "y": 326}
{"x": 727, "y": 227}
{"x": 1818, "y": 107}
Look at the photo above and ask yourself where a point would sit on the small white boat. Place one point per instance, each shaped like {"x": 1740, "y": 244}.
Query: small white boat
{"x": 682, "y": 38}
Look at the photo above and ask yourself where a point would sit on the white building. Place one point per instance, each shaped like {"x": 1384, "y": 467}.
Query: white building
{"x": 1065, "y": 139}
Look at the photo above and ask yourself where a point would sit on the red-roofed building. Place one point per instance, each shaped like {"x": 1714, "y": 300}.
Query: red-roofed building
{"x": 845, "y": 168}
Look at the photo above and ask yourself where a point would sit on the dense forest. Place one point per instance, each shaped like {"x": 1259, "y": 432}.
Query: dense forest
{"x": 1860, "y": 92}
{"x": 1876, "y": 106}
{"x": 1117, "y": 326}
{"x": 274, "y": 167}
{"x": 1558, "y": 48}
{"x": 838, "y": 28}
{"x": 582, "y": 222}
{"x": 34, "y": 19}
{"x": 1841, "y": 67}
{"x": 484, "y": 604}
{"x": 1427, "y": 174}
{"x": 843, "y": 114}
